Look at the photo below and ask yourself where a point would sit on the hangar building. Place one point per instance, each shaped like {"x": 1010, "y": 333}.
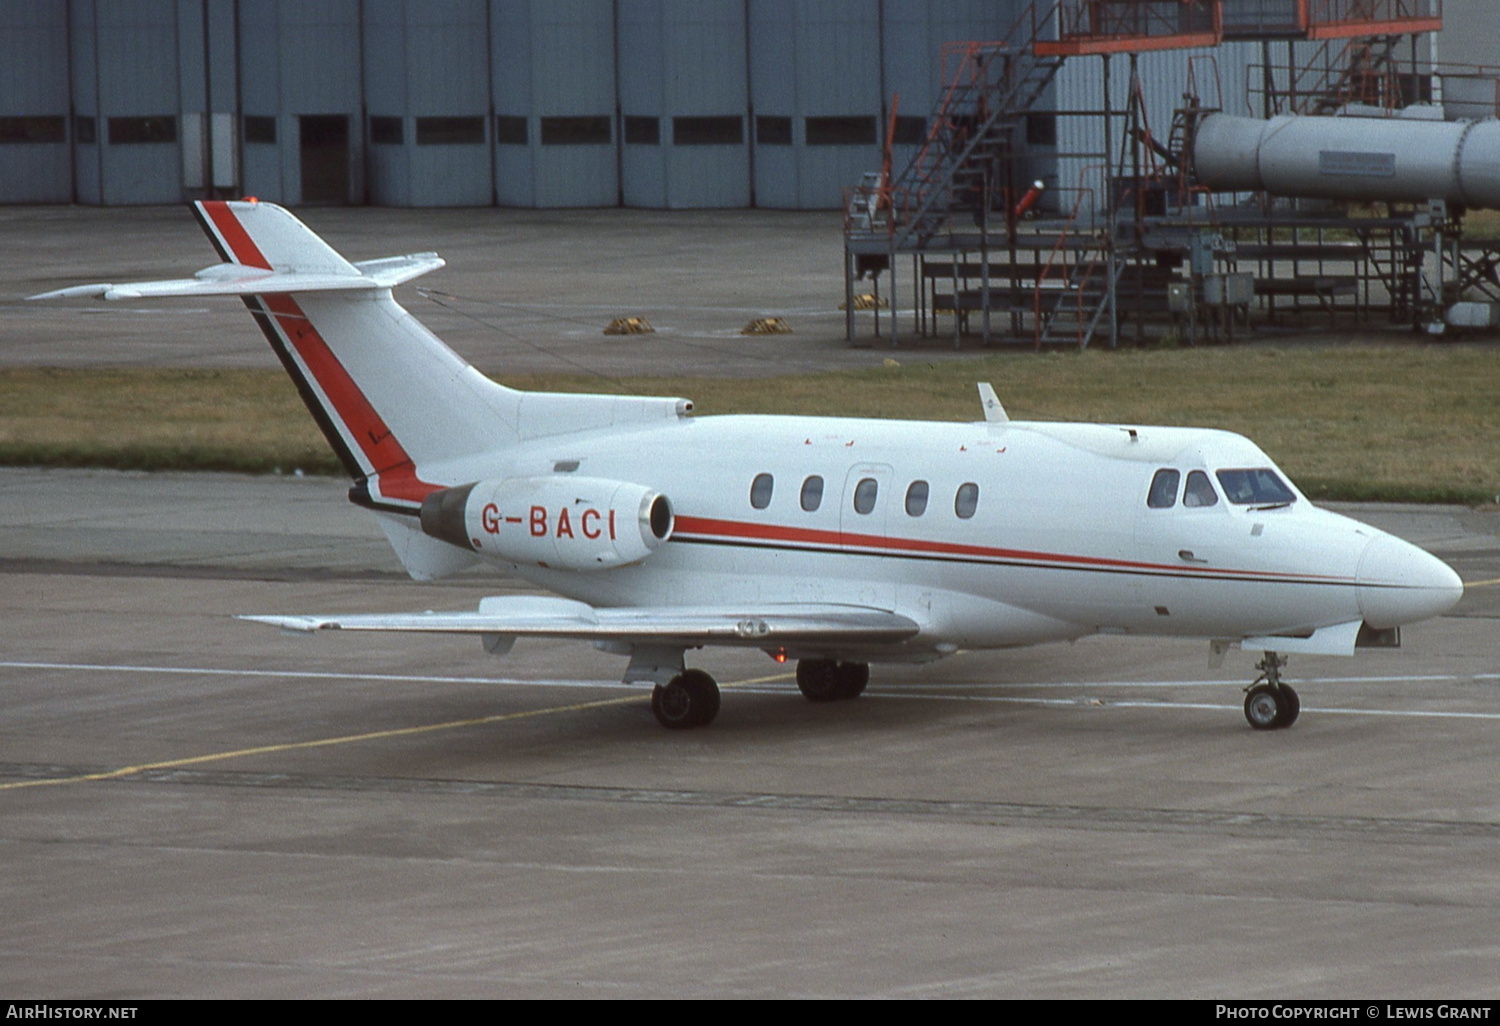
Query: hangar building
{"x": 531, "y": 103}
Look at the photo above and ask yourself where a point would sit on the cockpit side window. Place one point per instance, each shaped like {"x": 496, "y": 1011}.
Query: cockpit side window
{"x": 1163, "y": 494}
{"x": 1260, "y": 486}
{"x": 1199, "y": 491}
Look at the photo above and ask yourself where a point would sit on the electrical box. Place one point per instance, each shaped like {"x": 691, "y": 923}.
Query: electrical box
{"x": 1229, "y": 289}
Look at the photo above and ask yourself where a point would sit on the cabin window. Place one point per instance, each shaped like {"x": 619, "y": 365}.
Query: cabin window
{"x": 1261, "y": 486}
{"x": 916, "y": 499}
{"x": 966, "y": 501}
{"x": 812, "y": 493}
{"x": 760, "y": 490}
{"x": 1163, "y": 489}
{"x": 1199, "y": 491}
{"x": 864, "y": 495}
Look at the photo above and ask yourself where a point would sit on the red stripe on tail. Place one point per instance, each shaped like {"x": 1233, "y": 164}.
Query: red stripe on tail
{"x": 233, "y": 234}
{"x": 381, "y": 452}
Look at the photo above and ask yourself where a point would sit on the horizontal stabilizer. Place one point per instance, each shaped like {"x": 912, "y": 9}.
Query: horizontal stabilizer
{"x": 240, "y": 280}
{"x": 546, "y": 617}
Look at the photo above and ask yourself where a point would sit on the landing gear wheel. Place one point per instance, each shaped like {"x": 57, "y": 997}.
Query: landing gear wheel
{"x": 852, "y": 679}
{"x": 1270, "y": 704}
{"x": 823, "y": 680}
{"x": 690, "y": 699}
{"x": 818, "y": 680}
{"x": 1293, "y": 705}
{"x": 1265, "y": 708}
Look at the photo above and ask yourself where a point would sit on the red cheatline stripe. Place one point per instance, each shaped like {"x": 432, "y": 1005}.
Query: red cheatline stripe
{"x": 233, "y": 234}
{"x": 710, "y": 527}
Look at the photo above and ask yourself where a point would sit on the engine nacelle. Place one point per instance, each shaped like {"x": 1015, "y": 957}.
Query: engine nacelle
{"x": 562, "y": 522}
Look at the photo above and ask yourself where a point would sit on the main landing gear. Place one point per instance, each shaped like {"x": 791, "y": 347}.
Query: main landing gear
{"x": 1270, "y": 704}
{"x": 824, "y": 680}
{"x": 690, "y": 699}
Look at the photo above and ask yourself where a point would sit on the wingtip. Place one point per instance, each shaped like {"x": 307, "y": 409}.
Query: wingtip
{"x": 293, "y": 624}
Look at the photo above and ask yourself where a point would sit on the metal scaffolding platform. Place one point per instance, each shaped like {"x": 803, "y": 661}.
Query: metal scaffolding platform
{"x": 1148, "y": 252}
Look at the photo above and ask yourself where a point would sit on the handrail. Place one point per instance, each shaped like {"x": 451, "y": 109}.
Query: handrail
{"x": 1044, "y": 272}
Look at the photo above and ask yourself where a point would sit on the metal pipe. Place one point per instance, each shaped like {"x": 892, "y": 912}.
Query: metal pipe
{"x": 1399, "y": 160}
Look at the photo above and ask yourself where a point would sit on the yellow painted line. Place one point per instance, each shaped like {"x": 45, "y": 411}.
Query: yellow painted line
{"x": 376, "y": 735}
{"x": 1482, "y": 584}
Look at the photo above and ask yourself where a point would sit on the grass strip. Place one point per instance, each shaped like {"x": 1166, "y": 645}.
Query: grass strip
{"x": 1415, "y": 423}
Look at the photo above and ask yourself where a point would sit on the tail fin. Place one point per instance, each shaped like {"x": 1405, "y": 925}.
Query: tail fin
{"x": 263, "y": 235}
{"x": 405, "y": 413}
{"x": 391, "y": 398}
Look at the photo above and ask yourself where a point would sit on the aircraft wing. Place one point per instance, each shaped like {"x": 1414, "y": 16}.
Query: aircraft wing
{"x": 547, "y": 617}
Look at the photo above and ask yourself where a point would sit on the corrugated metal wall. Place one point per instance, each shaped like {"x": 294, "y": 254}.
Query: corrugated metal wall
{"x": 34, "y": 104}
{"x": 687, "y": 75}
{"x": 546, "y": 103}
{"x": 126, "y": 82}
{"x": 811, "y": 62}
{"x": 427, "y": 78}
{"x": 554, "y": 98}
{"x": 280, "y": 43}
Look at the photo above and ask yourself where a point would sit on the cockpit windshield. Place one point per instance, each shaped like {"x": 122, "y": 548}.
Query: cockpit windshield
{"x": 1258, "y": 487}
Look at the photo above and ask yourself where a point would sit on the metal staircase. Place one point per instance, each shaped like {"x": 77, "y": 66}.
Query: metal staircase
{"x": 959, "y": 172}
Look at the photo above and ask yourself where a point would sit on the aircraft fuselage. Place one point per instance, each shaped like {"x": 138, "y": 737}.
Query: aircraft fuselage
{"x": 988, "y": 535}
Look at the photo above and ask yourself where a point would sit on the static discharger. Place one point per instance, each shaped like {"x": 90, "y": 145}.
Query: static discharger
{"x": 866, "y": 301}
{"x": 629, "y": 326}
{"x": 767, "y": 326}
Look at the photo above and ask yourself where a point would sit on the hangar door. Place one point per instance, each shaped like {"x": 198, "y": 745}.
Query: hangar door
{"x": 324, "y": 153}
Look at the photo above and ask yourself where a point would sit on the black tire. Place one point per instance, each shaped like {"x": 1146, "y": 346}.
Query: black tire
{"x": 819, "y": 680}
{"x": 1293, "y": 706}
{"x": 671, "y": 704}
{"x": 852, "y": 678}
{"x": 705, "y": 692}
{"x": 1265, "y": 707}
{"x": 690, "y": 699}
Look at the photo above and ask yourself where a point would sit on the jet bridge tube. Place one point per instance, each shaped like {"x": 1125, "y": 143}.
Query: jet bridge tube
{"x": 1352, "y": 158}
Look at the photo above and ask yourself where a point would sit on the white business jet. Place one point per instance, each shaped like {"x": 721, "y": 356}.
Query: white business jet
{"x": 830, "y": 541}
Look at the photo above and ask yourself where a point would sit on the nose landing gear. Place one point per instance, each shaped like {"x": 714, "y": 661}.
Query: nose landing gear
{"x": 1270, "y": 704}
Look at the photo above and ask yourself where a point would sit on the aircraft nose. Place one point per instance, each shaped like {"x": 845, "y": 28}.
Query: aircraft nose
{"x": 1399, "y": 583}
